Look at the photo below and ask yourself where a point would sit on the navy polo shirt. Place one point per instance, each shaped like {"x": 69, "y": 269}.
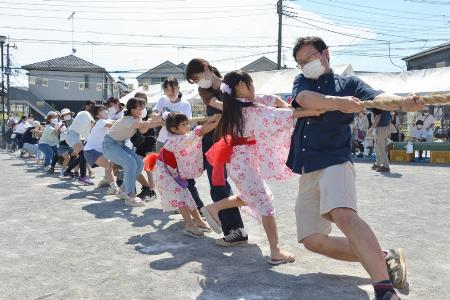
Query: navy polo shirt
{"x": 324, "y": 141}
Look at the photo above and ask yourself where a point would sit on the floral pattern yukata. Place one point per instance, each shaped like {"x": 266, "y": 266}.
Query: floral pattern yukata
{"x": 187, "y": 150}
{"x": 251, "y": 164}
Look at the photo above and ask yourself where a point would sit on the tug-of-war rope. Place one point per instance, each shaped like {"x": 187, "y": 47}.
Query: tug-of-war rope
{"x": 438, "y": 99}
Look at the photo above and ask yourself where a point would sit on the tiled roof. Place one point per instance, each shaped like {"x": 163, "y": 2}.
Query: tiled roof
{"x": 69, "y": 63}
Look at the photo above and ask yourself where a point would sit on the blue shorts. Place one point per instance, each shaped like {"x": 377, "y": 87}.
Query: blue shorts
{"x": 92, "y": 156}
{"x": 73, "y": 138}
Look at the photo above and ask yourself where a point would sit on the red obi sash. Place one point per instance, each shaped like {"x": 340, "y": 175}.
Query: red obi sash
{"x": 168, "y": 158}
{"x": 220, "y": 154}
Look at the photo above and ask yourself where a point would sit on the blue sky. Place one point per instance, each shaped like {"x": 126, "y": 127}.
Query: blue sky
{"x": 409, "y": 20}
{"x": 137, "y": 35}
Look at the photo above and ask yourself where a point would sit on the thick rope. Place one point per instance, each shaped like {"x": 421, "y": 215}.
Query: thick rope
{"x": 438, "y": 99}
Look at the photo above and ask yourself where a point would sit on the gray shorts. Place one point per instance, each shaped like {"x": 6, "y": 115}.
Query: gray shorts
{"x": 73, "y": 138}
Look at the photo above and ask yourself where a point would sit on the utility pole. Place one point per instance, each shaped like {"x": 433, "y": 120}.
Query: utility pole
{"x": 2, "y": 42}
{"x": 8, "y": 72}
{"x": 280, "y": 26}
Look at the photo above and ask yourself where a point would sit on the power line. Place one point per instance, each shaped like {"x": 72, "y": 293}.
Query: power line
{"x": 136, "y": 35}
{"x": 372, "y": 12}
{"x": 128, "y": 12}
{"x": 155, "y": 45}
{"x": 125, "y": 11}
{"x": 429, "y": 2}
{"x": 353, "y": 28}
{"x": 134, "y": 20}
{"x": 389, "y": 10}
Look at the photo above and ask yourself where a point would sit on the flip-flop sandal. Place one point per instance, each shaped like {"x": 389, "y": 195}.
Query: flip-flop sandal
{"x": 215, "y": 226}
{"x": 276, "y": 262}
{"x": 204, "y": 229}
{"x": 192, "y": 233}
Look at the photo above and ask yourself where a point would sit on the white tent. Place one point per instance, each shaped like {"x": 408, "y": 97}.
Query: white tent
{"x": 418, "y": 81}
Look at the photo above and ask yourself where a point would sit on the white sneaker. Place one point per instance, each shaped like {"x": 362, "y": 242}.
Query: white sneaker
{"x": 103, "y": 183}
{"x": 47, "y": 168}
{"x": 132, "y": 201}
{"x": 112, "y": 190}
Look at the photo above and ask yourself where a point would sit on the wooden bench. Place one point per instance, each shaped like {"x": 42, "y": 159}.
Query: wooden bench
{"x": 439, "y": 152}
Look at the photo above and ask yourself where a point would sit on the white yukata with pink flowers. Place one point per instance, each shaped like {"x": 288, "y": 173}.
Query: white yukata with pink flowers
{"x": 251, "y": 164}
{"x": 189, "y": 159}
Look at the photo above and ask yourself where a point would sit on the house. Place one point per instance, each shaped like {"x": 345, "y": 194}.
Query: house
{"x": 261, "y": 64}
{"x": 161, "y": 72}
{"x": 436, "y": 57}
{"x": 64, "y": 82}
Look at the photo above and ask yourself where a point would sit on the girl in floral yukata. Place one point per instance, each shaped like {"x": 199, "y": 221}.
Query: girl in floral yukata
{"x": 254, "y": 140}
{"x": 181, "y": 158}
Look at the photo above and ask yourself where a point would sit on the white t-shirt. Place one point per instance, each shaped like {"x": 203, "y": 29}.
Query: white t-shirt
{"x": 21, "y": 128}
{"x": 164, "y": 104}
{"x": 95, "y": 139}
{"x": 428, "y": 122}
{"x": 82, "y": 124}
{"x": 419, "y": 133}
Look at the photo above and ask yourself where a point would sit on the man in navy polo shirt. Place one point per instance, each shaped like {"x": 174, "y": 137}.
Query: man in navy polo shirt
{"x": 321, "y": 152}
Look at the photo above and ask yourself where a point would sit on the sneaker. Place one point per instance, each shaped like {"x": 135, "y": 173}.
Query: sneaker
{"x": 91, "y": 174}
{"x": 85, "y": 181}
{"x": 389, "y": 296}
{"x": 119, "y": 194}
{"x": 132, "y": 201}
{"x": 68, "y": 174}
{"x": 396, "y": 266}
{"x": 147, "y": 194}
{"x": 112, "y": 190}
{"x": 375, "y": 167}
{"x": 103, "y": 183}
{"x": 383, "y": 169}
{"x": 47, "y": 168}
{"x": 51, "y": 170}
{"x": 61, "y": 173}
{"x": 235, "y": 237}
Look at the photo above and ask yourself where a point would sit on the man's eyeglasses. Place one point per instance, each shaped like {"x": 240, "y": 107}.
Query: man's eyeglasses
{"x": 311, "y": 57}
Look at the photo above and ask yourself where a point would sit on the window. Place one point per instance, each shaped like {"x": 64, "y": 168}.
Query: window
{"x": 86, "y": 81}
{"x": 155, "y": 80}
{"x": 440, "y": 64}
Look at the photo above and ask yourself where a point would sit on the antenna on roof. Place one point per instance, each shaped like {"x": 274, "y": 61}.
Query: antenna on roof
{"x": 73, "y": 45}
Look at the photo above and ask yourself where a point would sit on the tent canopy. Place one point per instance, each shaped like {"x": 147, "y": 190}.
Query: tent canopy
{"x": 280, "y": 82}
{"x": 265, "y": 82}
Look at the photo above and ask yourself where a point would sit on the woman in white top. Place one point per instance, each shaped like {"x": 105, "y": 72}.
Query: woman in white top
{"x": 115, "y": 150}
{"x": 170, "y": 102}
{"x": 93, "y": 151}
{"x": 115, "y": 109}
{"x": 20, "y": 130}
{"x": 77, "y": 133}
{"x": 49, "y": 140}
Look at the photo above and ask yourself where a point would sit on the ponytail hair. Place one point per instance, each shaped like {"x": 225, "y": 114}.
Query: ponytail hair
{"x": 134, "y": 103}
{"x": 232, "y": 121}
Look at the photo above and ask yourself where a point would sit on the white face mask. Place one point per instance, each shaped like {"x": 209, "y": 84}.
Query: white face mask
{"x": 143, "y": 113}
{"x": 67, "y": 117}
{"x": 419, "y": 126}
{"x": 55, "y": 121}
{"x": 112, "y": 110}
{"x": 204, "y": 83}
{"x": 313, "y": 69}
